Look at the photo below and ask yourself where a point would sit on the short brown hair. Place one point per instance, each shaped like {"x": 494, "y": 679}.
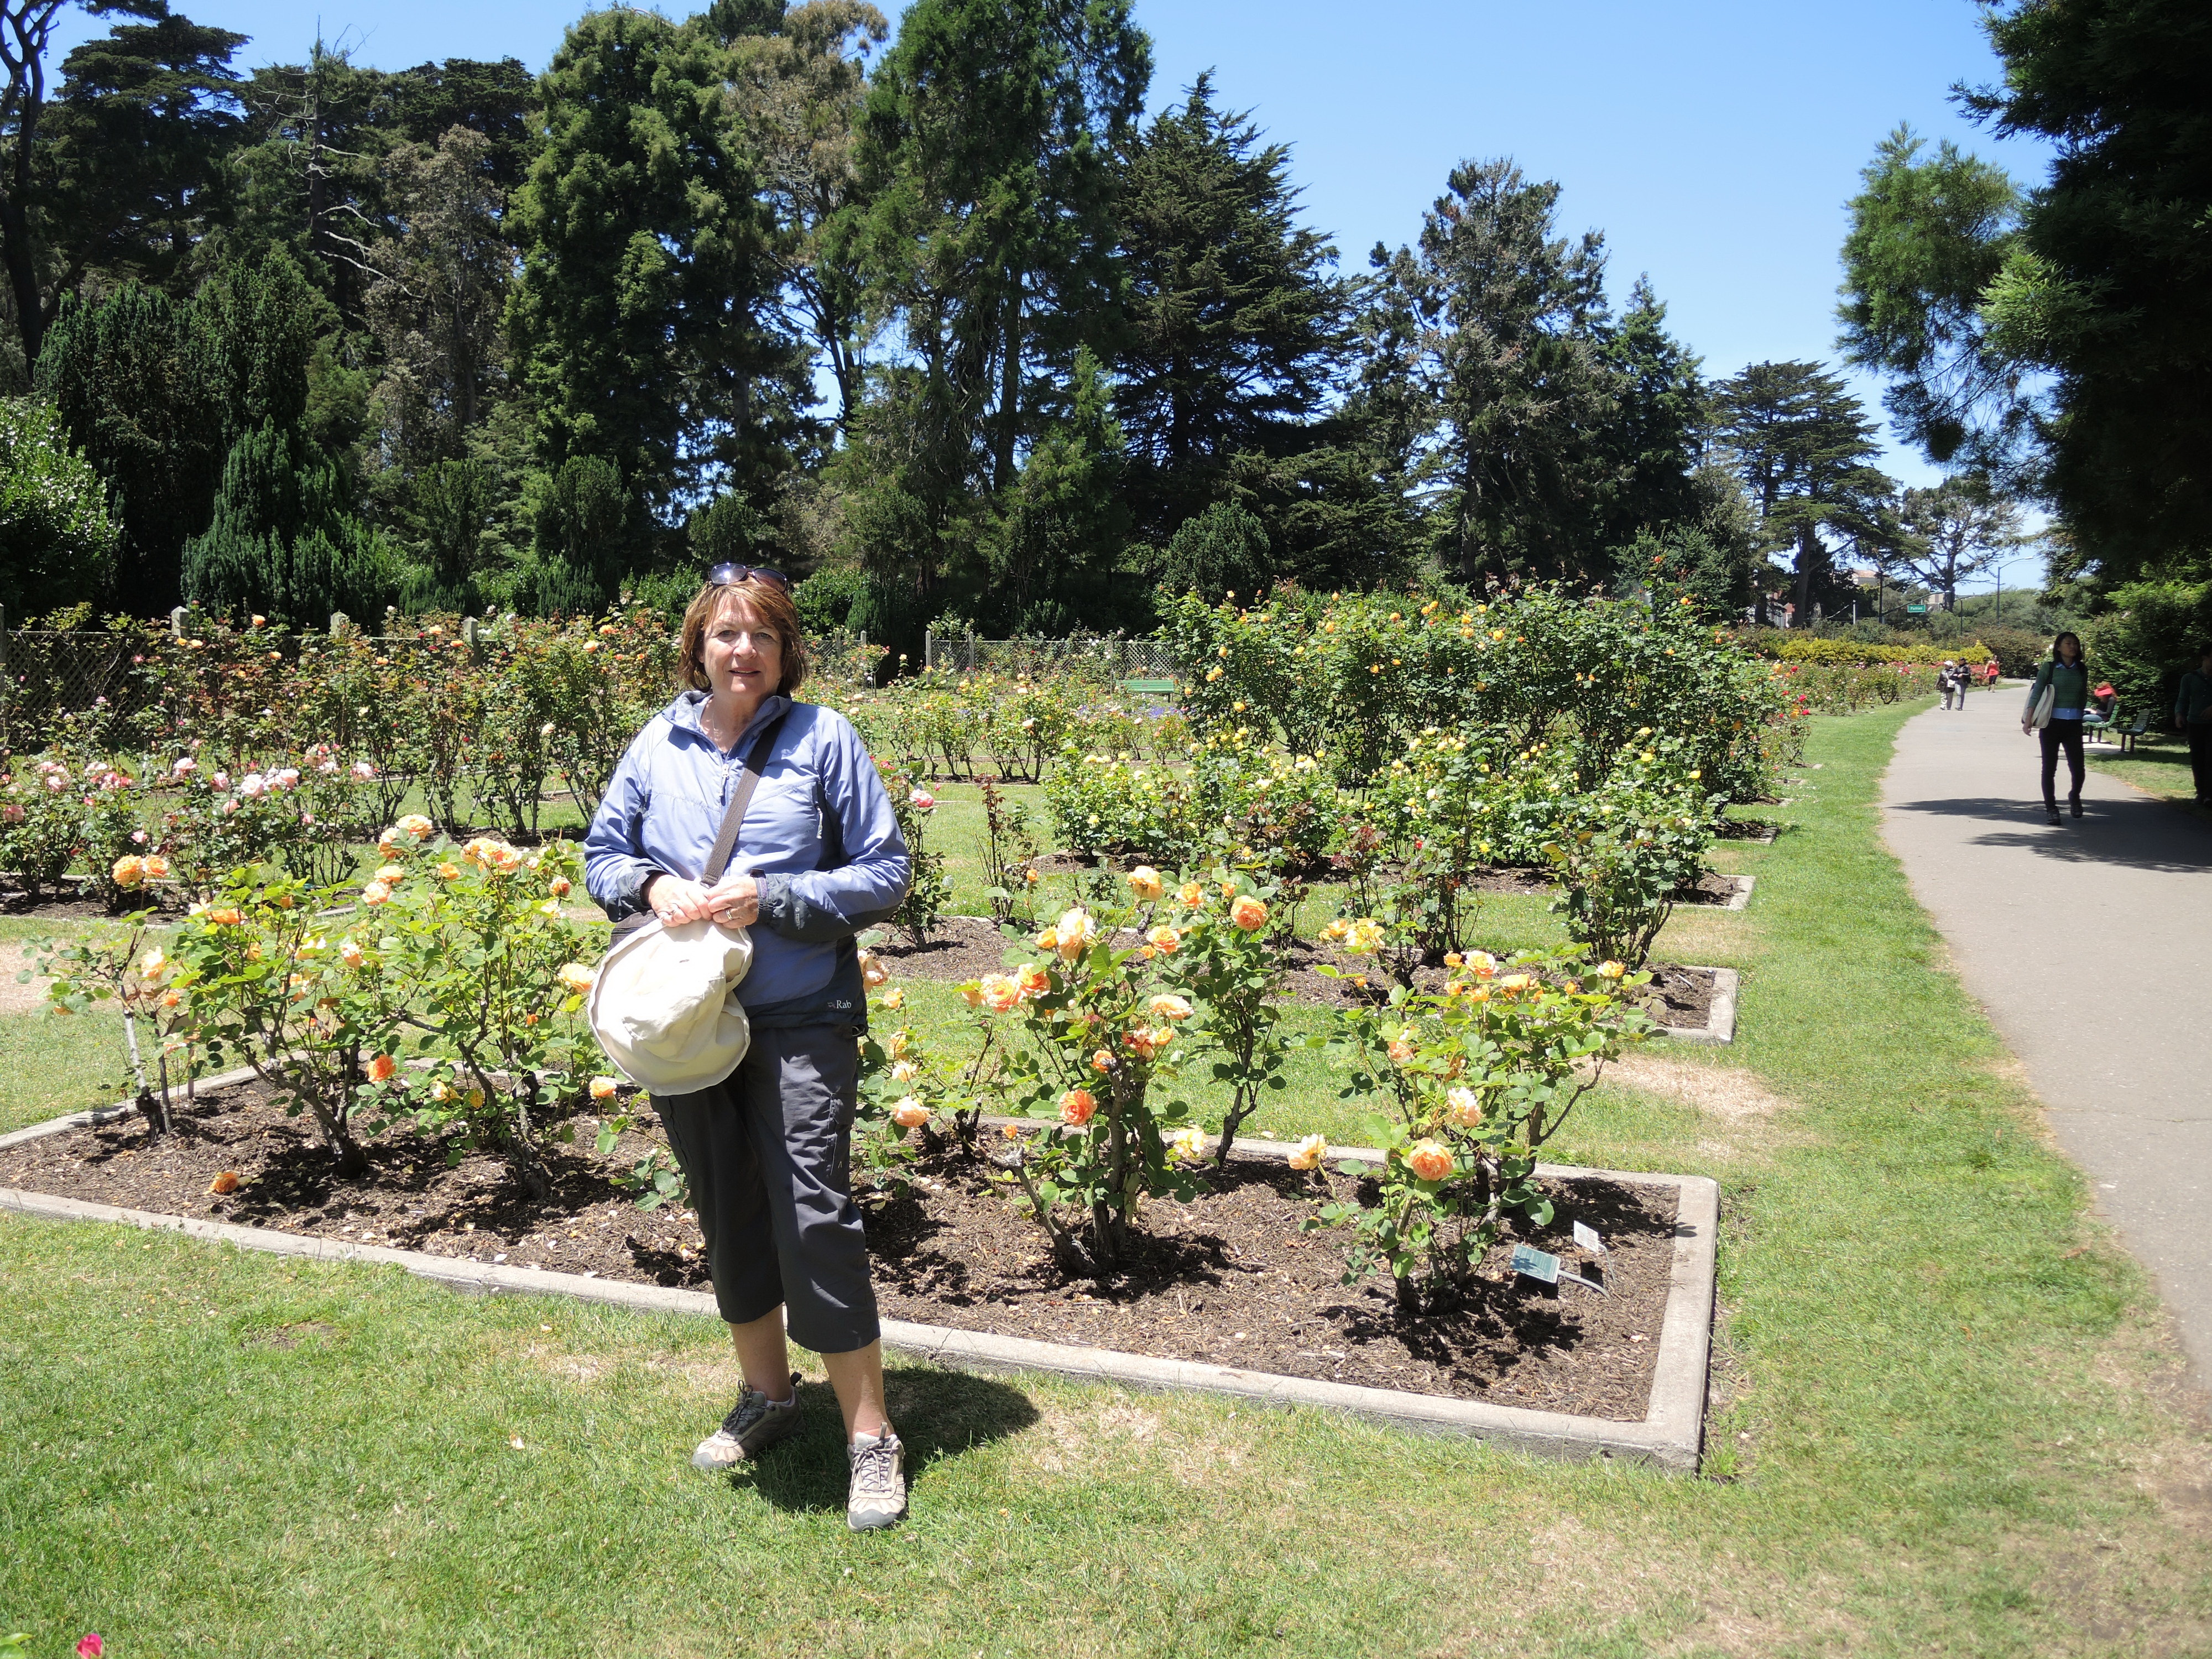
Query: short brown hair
{"x": 770, "y": 602}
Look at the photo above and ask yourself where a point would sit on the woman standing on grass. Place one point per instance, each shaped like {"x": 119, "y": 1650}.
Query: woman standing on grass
{"x": 2066, "y": 677}
{"x": 768, "y": 1152}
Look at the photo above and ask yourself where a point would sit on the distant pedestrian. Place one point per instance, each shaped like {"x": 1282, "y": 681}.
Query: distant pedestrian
{"x": 2057, "y": 698}
{"x": 1989, "y": 672}
{"x": 2192, "y": 715}
{"x": 1952, "y": 685}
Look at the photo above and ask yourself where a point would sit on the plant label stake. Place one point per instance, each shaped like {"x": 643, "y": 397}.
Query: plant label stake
{"x": 1592, "y": 1278}
{"x": 1586, "y": 1236}
{"x": 1536, "y": 1264}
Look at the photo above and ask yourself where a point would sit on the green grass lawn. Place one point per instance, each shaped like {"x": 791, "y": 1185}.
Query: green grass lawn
{"x": 2160, "y": 770}
{"x": 1944, "y": 1416}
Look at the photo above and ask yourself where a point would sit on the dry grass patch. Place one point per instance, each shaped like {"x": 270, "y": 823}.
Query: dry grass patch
{"x": 24, "y": 998}
{"x": 1722, "y": 1091}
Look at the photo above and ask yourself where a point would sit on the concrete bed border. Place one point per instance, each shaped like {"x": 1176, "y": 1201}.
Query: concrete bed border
{"x": 1720, "y": 1017}
{"x": 1670, "y": 1436}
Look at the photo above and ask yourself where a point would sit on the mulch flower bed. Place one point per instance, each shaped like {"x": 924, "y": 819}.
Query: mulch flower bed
{"x": 1227, "y": 1278}
{"x": 959, "y": 948}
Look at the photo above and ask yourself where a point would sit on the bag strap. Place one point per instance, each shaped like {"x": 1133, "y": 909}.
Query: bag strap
{"x": 725, "y": 839}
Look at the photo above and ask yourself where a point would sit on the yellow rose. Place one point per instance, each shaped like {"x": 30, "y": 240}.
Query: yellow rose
{"x": 1308, "y": 1153}
{"x": 1145, "y": 882}
{"x": 603, "y": 1088}
{"x": 576, "y": 977}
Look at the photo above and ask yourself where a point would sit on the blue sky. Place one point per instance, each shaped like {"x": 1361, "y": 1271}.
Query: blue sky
{"x": 1714, "y": 144}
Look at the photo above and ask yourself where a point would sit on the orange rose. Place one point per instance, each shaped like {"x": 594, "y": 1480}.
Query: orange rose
{"x": 1076, "y": 1107}
{"x": 224, "y": 1181}
{"x": 1102, "y": 1061}
{"x": 1463, "y": 1108}
{"x": 1190, "y": 895}
{"x": 1033, "y": 979}
{"x": 1429, "y": 1161}
{"x": 1168, "y": 1007}
{"x": 603, "y": 1088}
{"x": 560, "y": 886}
{"x": 576, "y": 977}
{"x": 1145, "y": 882}
{"x": 381, "y": 1068}
{"x": 1001, "y": 993}
{"x": 1164, "y": 940}
{"x": 1248, "y": 913}
{"x": 1308, "y": 1153}
{"x": 909, "y": 1114}
{"x": 972, "y": 994}
{"x": 157, "y": 867}
{"x": 225, "y": 915}
{"x": 128, "y": 870}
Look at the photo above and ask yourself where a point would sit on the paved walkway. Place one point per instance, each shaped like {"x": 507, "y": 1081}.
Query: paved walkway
{"x": 2091, "y": 946}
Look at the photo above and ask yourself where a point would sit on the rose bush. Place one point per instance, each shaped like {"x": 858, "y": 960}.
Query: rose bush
{"x": 1478, "y": 1077}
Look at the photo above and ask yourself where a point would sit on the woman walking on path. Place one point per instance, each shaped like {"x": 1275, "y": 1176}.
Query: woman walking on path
{"x": 2065, "y": 677}
{"x": 768, "y": 1152}
{"x": 2192, "y": 716}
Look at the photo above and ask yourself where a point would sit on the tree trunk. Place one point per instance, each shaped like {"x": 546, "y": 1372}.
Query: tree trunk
{"x": 1010, "y": 392}
{"x": 1808, "y": 558}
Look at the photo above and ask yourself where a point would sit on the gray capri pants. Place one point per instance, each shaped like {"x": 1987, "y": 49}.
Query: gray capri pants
{"x": 769, "y": 1153}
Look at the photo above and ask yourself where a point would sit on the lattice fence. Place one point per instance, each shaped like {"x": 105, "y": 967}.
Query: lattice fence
{"x": 44, "y": 675}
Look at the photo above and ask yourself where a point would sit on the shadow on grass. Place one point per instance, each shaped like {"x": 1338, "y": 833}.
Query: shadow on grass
{"x": 938, "y": 1414}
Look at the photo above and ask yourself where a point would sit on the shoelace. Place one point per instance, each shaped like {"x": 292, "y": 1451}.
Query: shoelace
{"x": 751, "y": 1406}
{"x": 872, "y": 1467}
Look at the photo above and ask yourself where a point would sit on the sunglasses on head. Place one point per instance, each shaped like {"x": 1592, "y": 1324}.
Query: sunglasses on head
{"x": 728, "y": 575}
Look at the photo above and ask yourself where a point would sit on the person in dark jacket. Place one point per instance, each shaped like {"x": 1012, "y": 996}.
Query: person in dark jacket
{"x": 2192, "y": 717}
{"x": 768, "y": 1152}
{"x": 2066, "y": 676}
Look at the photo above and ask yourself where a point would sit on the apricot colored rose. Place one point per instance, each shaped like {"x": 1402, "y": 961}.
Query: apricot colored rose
{"x": 1249, "y": 914}
{"x": 1001, "y": 993}
{"x": 226, "y": 1181}
{"x": 909, "y": 1114}
{"x": 1190, "y": 895}
{"x": 1429, "y": 1161}
{"x": 1145, "y": 882}
{"x": 1308, "y": 1153}
{"x": 1168, "y": 1007}
{"x": 1164, "y": 940}
{"x": 1462, "y": 1108}
{"x": 603, "y": 1088}
{"x": 576, "y": 977}
{"x": 1034, "y": 979}
{"x": 128, "y": 870}
{"x": 381, "y": 1068}
{"x": 1077, "y": 1106}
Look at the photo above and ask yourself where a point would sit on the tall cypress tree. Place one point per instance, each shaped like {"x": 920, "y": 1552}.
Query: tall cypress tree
{"x": 643, "y": 315}
{"x": 1805, "y": 451}
{"x": 139, "y": 383}
{"x": 1238, "y": 324}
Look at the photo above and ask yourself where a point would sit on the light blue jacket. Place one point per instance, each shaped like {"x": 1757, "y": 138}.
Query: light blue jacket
{"x": 819, "y": 834}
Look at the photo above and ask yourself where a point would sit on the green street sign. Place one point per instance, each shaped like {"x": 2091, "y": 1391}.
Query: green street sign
{"x": 1916, "y": 609}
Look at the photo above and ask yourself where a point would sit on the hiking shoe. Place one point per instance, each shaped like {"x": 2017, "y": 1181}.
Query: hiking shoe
{"x": 2077, "y": 805}
{"x": 2054, "y": 813}
{"x": 878, "y": 1495}
{"x": 754, "y": 1424}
